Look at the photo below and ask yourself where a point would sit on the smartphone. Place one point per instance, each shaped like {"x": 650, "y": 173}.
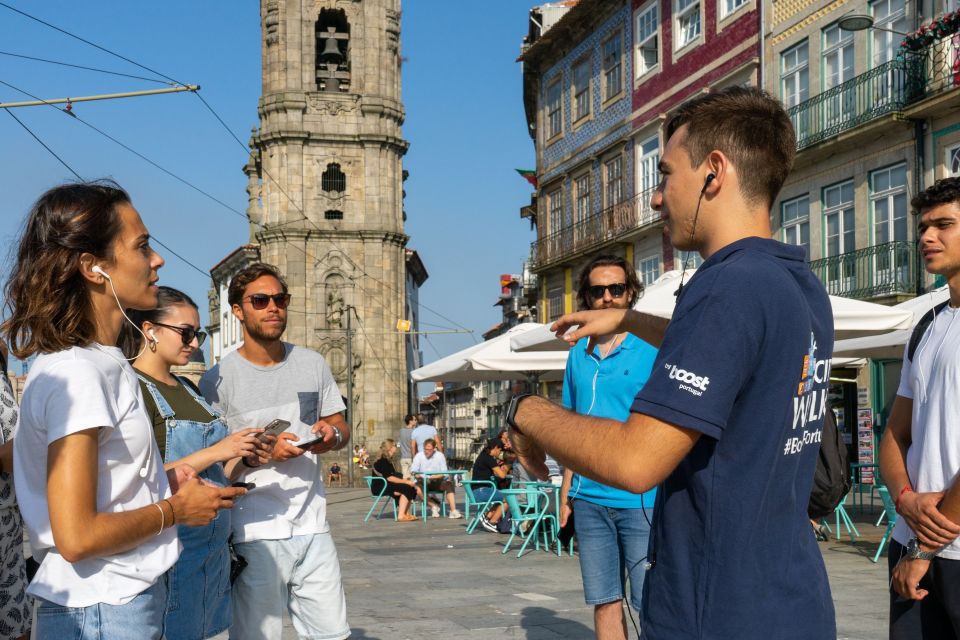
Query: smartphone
{"x": 244, "y": 485}
{"x": 309, "y": 443}
{"x": 275, "y": 428}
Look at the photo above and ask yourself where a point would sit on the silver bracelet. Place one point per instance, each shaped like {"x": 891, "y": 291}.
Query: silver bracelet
{"x": 338, "y": 436}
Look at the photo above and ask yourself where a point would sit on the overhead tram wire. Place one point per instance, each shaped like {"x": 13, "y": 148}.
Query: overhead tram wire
{"x": 77, "y": 66}
{"x": 79, "y": 177}
{"x": 374, "y": 350}
{"x": 219, "y": 119}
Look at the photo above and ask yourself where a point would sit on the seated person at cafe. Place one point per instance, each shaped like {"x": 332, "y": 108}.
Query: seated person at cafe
{"x": 487, "y": 466}
{"x": 403, "y": 491}
{"x": 430, "y": 460}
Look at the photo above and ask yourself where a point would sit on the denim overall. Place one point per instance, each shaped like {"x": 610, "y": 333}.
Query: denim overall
{"x": 198, "y": 599}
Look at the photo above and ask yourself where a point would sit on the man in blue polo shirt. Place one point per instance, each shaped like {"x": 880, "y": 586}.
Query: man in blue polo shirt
{"x": 729, "y": 422}
{"x": 612, "y": 525}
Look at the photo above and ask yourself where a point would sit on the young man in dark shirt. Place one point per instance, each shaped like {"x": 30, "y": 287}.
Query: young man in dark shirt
{"x": 729, "y": 422}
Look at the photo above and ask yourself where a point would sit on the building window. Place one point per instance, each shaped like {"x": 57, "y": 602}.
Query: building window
{"x": 333, "y": 179}
{"x": 729, "y": 6}
{"x": 613, "y": 176}
{"x": 612, "y": 66}
{"x": 648, "y": 269}
{"x": 581, "y": 186}
{"x": 648, "y": 40}
{"x": 555, "y": 202}
{"x": 952, "y": 160}
{"x": 839, "y": 229}
{"x": 891, "y": 15}
{"x": 332, "y": 48}
{"x": 554, "y": 303}
{"x": 333, "y": 215}
{"x": 554, "y": 114}
{"x": 689, "y": 260}
{"x": 581, "y": 89}
{"x": 687, "y": 21}
{"x": 648, "y": 163}
{"x": 888, "y": 198}
{"x": 795, "y": 85}
{"x": 837, "y": 69}
{"x": 795, "y": 222}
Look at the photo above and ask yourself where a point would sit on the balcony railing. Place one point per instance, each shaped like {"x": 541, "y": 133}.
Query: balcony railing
{"x": 604, "y": 226}
{"x": 888, "y": 88}
{"x": 884, "y": 269}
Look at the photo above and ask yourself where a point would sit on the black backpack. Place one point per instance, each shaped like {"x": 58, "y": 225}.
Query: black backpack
{"x": 831, "y": 480}
{"x": 921, "y": 328}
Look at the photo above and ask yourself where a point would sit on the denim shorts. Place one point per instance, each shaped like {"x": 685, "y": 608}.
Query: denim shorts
{"x": 613, "y": 545}
{"x": 139, "y": 619}
{"x": 481, "y": 495}
{"x": 300, "y": 575}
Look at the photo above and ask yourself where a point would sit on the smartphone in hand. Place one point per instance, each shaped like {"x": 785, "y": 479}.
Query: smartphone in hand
{"x": 274, "y": 429}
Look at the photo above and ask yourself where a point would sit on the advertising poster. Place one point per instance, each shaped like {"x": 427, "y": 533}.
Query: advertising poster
{"x": 865, "y": 443}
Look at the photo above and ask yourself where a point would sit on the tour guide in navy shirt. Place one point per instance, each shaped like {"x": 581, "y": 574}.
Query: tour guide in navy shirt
{"x": 730, "y": 419}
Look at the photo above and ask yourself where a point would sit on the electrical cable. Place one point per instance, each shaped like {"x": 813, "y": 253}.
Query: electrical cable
{"x": 43, "y": 144}
{"x": 77, "y": 66}
{"x": 373, "y": 349}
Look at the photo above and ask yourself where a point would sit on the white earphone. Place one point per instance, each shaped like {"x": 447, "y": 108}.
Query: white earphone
{"x": 98, "y": 269}
{"x": 153, "y": 336}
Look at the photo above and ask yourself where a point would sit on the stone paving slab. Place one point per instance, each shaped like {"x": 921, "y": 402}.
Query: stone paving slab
{"x": 421, "y": 581}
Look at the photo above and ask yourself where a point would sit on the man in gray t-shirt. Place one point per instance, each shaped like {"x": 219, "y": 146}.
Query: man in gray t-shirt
{"x": 406, "y": 435}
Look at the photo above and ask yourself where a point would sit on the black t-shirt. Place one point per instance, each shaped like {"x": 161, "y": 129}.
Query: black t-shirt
{"x": 385, "y": 468}
{"x": 483, "y": 466}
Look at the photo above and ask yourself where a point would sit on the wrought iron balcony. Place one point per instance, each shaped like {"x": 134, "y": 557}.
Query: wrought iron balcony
{"x": 591, "y": 232}
{"x": 916, "y": 74}
{"x": 884, "y": 269}
{"x": 882, "y": 90}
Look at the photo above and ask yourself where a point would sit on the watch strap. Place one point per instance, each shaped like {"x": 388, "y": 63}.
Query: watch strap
{"x": 512, "y": 410}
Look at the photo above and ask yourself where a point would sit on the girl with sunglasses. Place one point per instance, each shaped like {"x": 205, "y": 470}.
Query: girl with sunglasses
{"x": 90, "y": 483}
{"x": 190, "y": 431}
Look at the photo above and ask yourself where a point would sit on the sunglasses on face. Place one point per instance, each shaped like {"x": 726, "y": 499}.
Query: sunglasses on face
{"x": 187, "y": 334}
{"x": 616, "y": 290}
{"x": 260, "y": 300}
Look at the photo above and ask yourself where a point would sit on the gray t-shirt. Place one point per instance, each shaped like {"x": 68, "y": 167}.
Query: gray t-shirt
{"x": 288, "y": 499}
{"x": 406, "y": 433}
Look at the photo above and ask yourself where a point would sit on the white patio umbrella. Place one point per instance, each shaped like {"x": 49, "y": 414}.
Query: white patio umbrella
{"x": 494, "y": 360}
{"x": 851, "y": 318}
{"x": 890, "y": 345}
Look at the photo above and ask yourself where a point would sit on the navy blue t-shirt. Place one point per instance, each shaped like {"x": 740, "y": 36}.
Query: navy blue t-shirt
{"x": 746, "y": 362}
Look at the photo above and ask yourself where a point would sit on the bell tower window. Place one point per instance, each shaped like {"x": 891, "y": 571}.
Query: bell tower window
{"x": 333, "y": 179}
{"x": 333, "y": 51}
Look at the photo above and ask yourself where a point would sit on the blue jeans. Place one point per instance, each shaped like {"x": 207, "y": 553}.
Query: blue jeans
{"x": 613, "y": 544}
{"x": 139, "y": 619}
{"x": 481, "y": 495}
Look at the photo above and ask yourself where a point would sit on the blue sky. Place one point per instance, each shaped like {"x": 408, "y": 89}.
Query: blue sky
{"x": 465, "y": 123}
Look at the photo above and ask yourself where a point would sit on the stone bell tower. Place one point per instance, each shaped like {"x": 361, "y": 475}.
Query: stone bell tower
{"x": 325, "y": 184}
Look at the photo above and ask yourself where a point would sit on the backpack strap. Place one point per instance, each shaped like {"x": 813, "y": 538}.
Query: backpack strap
{"x": 921, "y": 328}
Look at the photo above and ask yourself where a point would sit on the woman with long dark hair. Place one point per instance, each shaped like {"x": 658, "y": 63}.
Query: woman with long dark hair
{"x": 189, "y": 431}
{"x": 90, "y": 482}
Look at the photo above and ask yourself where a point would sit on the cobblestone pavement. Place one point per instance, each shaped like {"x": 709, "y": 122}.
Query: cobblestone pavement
{"x": 430, "y": 580}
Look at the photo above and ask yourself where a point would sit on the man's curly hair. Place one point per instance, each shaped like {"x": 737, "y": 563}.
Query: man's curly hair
{"x": 943, "y": 191}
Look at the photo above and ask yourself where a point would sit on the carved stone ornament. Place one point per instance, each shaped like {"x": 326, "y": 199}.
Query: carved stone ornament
{"x": 324, "y": 103}
{"x": 271, "y": 23}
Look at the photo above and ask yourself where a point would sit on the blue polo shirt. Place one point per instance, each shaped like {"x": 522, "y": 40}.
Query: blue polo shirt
{"x": 745, "y": 362}
{"x": 605, "y": 388}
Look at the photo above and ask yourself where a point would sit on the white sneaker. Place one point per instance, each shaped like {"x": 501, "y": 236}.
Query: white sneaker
{"x": 486, "y": 524}
{"x": 434, "y": 512}
{"x": 453, "y": 515}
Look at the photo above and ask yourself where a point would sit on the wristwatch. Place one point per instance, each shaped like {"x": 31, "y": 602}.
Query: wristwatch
{"x": 915, "y": 553}
{"x": 338, "y": 436}
{"x": 512, "y": 411}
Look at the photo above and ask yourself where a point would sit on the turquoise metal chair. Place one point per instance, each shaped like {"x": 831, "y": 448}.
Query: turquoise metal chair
{"x": 534, "y": 512}
{"x": 889, "y": 508}
{"x": 470, "y": 500}
{"x": 381, "y": 494}
{"x": 844, "y": 518}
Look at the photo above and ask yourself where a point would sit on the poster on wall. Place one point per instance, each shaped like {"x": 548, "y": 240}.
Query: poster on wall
{"x": 865, "y": 444}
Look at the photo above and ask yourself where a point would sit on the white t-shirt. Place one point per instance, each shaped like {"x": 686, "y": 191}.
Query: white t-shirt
{"x": 421, "y": 463}
{"x": 932, "y": 381}
{"x": 70, "y": 391}
{"x": 288, "y": 499}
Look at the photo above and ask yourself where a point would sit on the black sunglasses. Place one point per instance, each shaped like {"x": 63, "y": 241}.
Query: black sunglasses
{"x": 260, "y": 300}
{"x": 616, "y": 290}
{"x": 187, "y": 334}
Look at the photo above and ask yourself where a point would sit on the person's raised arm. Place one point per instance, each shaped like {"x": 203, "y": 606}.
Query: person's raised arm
{"x": 601, "y": 322}
{"x": 635, "y": 455}
{"x": 81, "y": 532}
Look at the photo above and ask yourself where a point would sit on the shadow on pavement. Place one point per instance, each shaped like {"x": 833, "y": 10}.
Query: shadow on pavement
{"x": 543, "y": 618}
